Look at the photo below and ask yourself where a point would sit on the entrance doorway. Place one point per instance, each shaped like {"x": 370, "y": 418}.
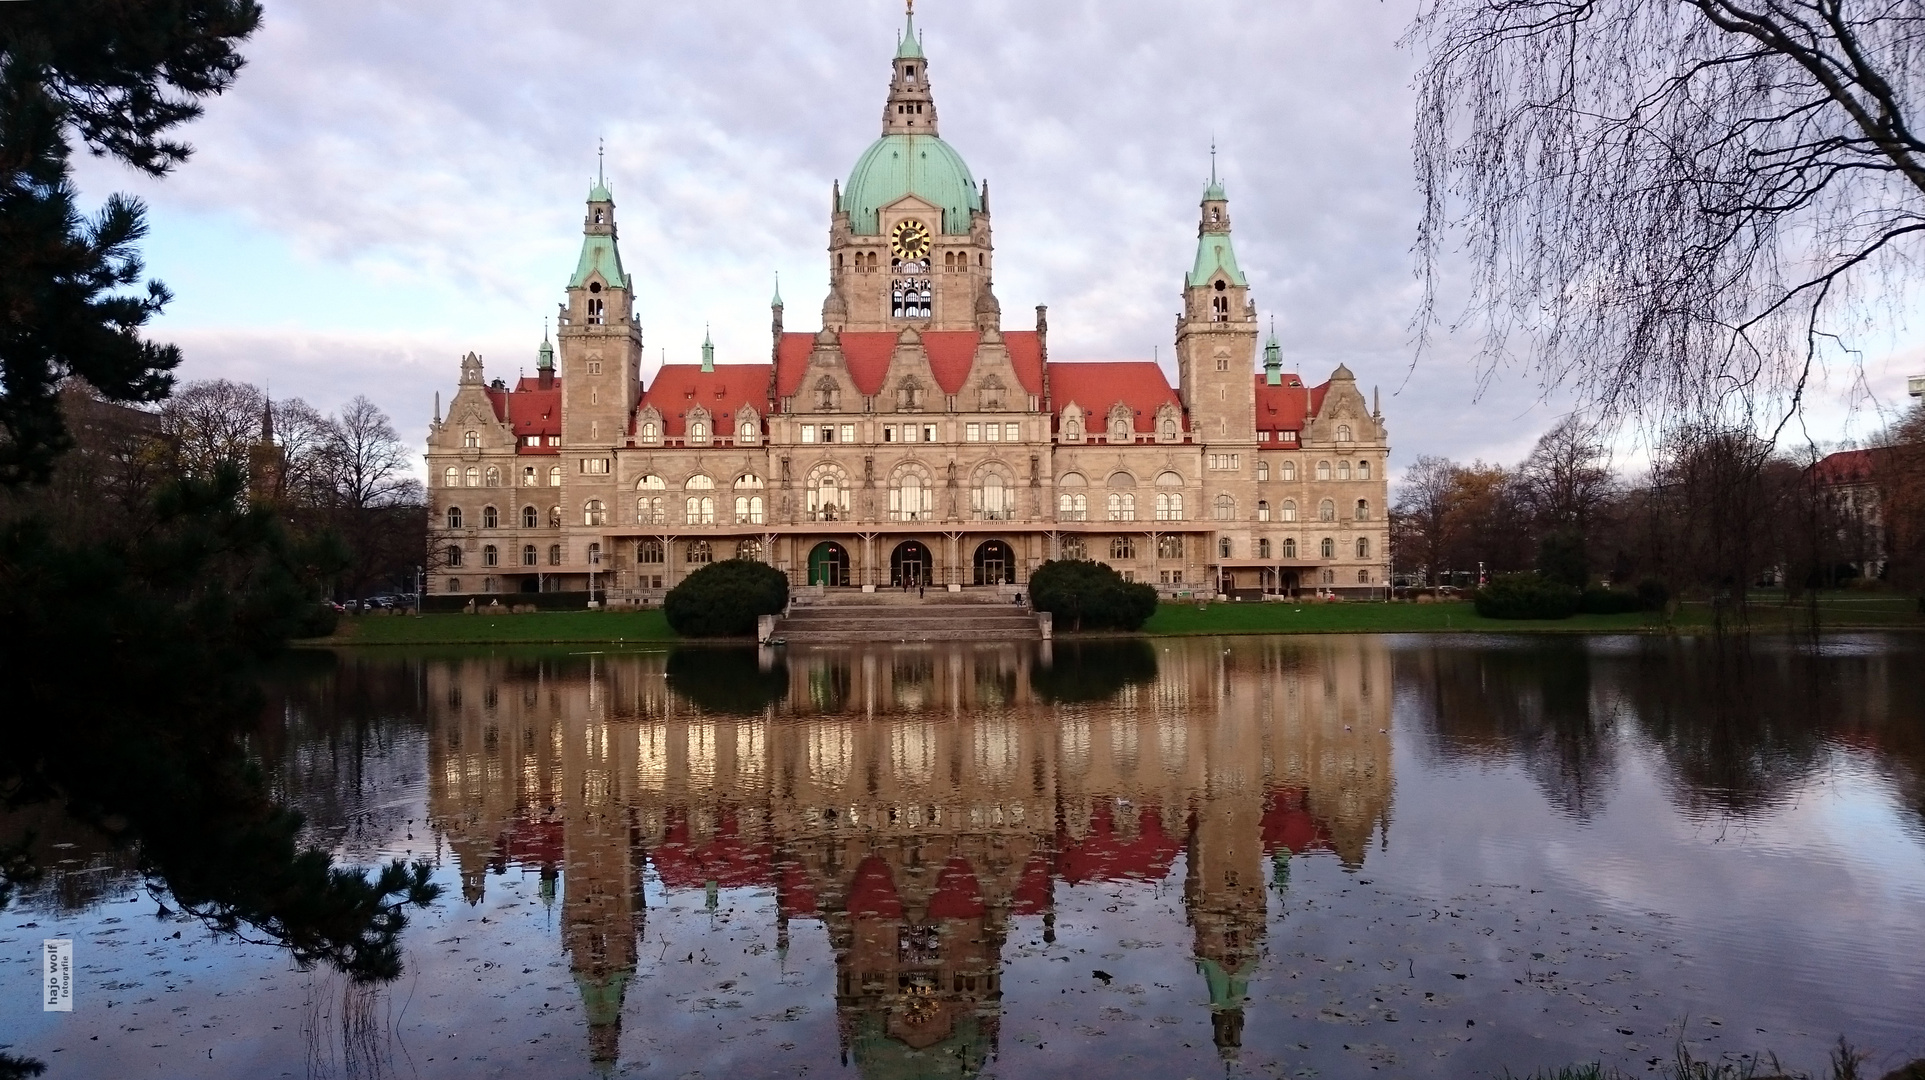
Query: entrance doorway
{"x": 829, "y": 565}
{"x": 911, "y": 566}
{"x": 995, "y": 563}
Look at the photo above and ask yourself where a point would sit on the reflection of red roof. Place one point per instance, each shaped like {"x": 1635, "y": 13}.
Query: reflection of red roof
{"x": 1032, "y": 895}
{"x": 679, "y": 388}
{"x": 1287, "y": 824}
{"x": 1845, "y": 467}
{"x": 958, "y": 894}
{"x": 1105, "y": 855}
{"x": 530, "y": 842}
{"x": 793, "y": 892}
{"x": 1283, "y": 408}
{"x": 872, "y": 895}
{"x": 530, "y": 411}
{"x": 726, "y": 859}
{"x": 1095, "y": 386}
{"x": 951, "y": 354}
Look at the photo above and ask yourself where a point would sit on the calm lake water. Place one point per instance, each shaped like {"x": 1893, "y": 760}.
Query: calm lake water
{"x": 1274, "y": 857}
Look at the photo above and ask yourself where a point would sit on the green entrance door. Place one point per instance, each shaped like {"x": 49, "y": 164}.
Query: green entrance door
{"x": 828, "y": 565}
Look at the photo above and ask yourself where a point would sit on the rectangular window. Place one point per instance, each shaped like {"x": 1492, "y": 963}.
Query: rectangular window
{"x": 1176, "y": 577}
{"x": 528, "y": 474}
{"x": 848, "y": 433}
{"x": 595, "y": 466}
{"x": 1288, "y": 436}
{"x": 995, "y": 432}
{"x": 1012, "y": 433}
{"x": 808, "y": 433}
{"x": 929, "y": 433}
{"x": 1129, "y": 575}
{"x": 594, "y": 367}
{"x": 889, "y": 433}
{"x": 1226, "y": 462}
{"x": 828, "y": 433}
{"x": 973, "y": 433}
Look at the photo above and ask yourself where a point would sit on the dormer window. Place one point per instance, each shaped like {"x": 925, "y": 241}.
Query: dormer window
{"x": 471, "y": 440}
{"x": 698, "y": 432}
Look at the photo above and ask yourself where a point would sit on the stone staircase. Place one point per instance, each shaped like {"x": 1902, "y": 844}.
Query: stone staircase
{"x": 887, "y": 616}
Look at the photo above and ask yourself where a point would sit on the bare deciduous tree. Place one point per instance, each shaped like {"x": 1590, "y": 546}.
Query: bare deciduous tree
{"x": 1567, "y": 478}
{"x": 1422, "y": 514}
{"x": 1671, "y": 205}
{"x": 213, "y": 422}
{"x": 371, "y": 462}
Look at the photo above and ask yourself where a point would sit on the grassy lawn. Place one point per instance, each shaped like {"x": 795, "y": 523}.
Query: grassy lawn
{"x": 541, "y": 628}
{"x": 1836, "y": 611}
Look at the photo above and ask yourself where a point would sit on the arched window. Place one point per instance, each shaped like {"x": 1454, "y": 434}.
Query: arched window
{"x": 1169, "y": 429}
{"x": 1263, "y": 470}
{"x": 1289, "y": 547}
{"x": 828, "y": 395}
{"x": 650, "y": 510}
{"x": 1169, "y": 506}
{"x": 451, "y": 478}
{"x": 1363, "y": 577}
{"x": 554, "y": 476}
{"x": 528, "y": 557}
{"x": 1289, "y": 471}
{"x": 1073, "y": 547}
{"x": 473, "y": 477}
{"x": 554, "y": 517}
{"x": 1169, "y": 547}
{"x": 1343, "y": 432}
{"x": 530, "y": 517}
{"x": 699, "y": 482}
{"x": 991, "y": 500}
{"x": 1263, "y": 549}
{"x": 1323, "y": 470}
{"x": 554, "y": 554}
{"x": 1073, "y": 431}
{"x": 1263, "y": 509}
{"x": 1363, "y": 509}
{"x": 594, "y": 513}
{"x": 490, "y": 518}
{"x": 699, "y": 510}
{"x": 649, "y": 432}
{"x": 454, "y": 584}
{"x": 991, "y": 395}
{"x": 828, "y": 499}
{"x": 1329, "y": 548}
{"x": 1289, "y": 509}
{"x": 1225, "y": 508}
{"x": 1343, "y": 470}
{"x": 651, "y": 482}
{"x": 471, "y": 440}
{"x": 1072, "y": 506}
{"x": 453, "y": 555}
{"x": 528, "y": 476}
{"x": 698, "y": 432}
{"x": 1120, "y": 427}
{"x": 1363, "y": 547}
{"x": 648, "y": 552}
{"x": 454, "y": 517}
{"x": 910, "y": 499}
{"x": 490, "y": 555}
{"x": 1122, "y": 506}
{"x": 1223, "y": 548}
{"x": 492, "y": 478}
{"x": 594, "y": 554}
{"x": 748, "y": 510}
{"x": 1363, "y": 470}
{"x": 750, "y": 549}
{"x": 749, "y": 482}
{"x": 1122, "y": 547}
{"x": 1326, "y": 511}
{"x": 699, "y": 552}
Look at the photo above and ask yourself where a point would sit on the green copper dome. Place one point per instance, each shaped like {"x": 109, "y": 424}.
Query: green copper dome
{"x": 921, "y": 165}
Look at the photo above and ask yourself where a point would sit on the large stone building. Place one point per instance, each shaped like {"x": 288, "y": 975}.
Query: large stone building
{"x": 912, "y": 438}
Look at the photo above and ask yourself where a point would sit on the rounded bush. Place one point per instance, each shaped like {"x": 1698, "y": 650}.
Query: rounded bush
{"x": 1654, "y": 594}
{"x": 1090, "y": 596}
{"x": 725, "y": 599}
{"x": 1525, "y": 596}
{"x": 1597, "y": 601}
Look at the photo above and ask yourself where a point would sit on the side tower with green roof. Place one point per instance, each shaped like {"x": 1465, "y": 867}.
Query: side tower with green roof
{"x": 1216, "y": 335}
{"x": 909, "y": 237}
{"x": 600, "y": 340}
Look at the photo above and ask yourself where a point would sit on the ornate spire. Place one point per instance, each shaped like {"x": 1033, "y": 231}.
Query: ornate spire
{"x": 1272, "y": 358}
{"x": 708, "y": 351}
{"x": 545, "y": 356}
{"x": 911, "y": 109}
{"x": 777, "y": 302}
{"x": 909, "y": 46}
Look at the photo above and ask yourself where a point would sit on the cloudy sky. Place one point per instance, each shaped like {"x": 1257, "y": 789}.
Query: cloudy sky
{"x": 392, "y": 184}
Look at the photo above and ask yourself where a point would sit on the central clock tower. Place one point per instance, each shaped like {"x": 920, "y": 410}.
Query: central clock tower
{"x": 909, "y": 241}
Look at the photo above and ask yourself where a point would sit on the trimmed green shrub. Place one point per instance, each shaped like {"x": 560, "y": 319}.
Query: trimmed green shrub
{"x": 725, "y": 599}
{"x": 1561, "y": 558}
{"x": 1525, "y": 596}
{"x": 1090, "y": 596}
{"x": 1654, "y": 594}
{"x": 1598, "y": 601}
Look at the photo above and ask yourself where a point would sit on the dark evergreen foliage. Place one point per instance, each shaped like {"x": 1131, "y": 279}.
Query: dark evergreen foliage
{"x": 1085, "y": 595}
{"x": 1526, "y": 596}
{"x": 1600, "y": 601}
{"x": 1561, "y": 558}
{"x": 725, "y": 599}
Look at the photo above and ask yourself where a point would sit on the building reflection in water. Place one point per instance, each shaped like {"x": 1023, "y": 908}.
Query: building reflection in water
{"x": 914, "y": 800}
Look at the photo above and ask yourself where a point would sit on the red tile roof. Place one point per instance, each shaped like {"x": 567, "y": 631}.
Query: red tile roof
{"x": 1283, "y": 408}
{"x": 1096, "y": 385}
{"x": 677, "y": 388}
{"x": 1846, "y": 467}
{"x": 532, "y": 410}
{"x": 951, "y": 353}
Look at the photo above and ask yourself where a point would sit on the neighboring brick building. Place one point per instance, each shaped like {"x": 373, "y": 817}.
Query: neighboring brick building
{"x": 912, "y": 438}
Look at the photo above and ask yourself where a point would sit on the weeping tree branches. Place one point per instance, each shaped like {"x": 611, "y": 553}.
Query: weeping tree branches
{"x": 1674, "y": 207}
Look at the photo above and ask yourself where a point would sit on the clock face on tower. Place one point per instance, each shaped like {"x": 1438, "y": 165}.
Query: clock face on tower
{"x": 910, "y": 240}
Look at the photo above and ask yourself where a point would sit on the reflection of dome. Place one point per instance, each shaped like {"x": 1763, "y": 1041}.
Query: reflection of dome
{"x": 958, "y": 1057}
{"x": 921, "y": 165}
{"x": 602, "y": 1004}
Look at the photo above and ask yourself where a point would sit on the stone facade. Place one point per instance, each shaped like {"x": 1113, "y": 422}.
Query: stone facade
{"x": 913, "y": 438}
